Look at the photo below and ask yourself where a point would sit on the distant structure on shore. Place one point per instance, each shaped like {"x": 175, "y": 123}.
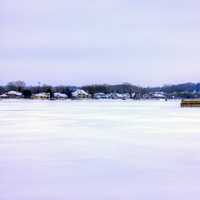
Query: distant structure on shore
{"x": 190, "y": 103}
{"x": 80, "y": 94}
{"x": 11, "y": 95}
{"x": 18, "y": 90}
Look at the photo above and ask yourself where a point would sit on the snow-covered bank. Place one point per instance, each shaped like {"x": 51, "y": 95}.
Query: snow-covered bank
{"x": 102, "y": 150}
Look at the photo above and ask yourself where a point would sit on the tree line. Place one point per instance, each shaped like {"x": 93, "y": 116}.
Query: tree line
{"x": 21, "y": 86}
{"x": 185, "y": 90}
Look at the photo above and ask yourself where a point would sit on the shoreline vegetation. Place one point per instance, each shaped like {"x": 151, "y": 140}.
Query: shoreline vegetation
{"x": 19, "y": 90}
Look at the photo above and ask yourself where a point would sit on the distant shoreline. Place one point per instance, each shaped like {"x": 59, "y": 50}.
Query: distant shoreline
{"x": 19, "y": 89}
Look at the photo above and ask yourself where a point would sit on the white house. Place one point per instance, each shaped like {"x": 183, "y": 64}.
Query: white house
{"x": 100, "y": 96}
{"x": 3, "y": 96}
{"x": 121, "y": 96}
{"x": 42, "y": 95}
{"x": 58, "y": 95}
{"x": 158, "y": 95}
{"x": 80, "y": 94}
{"x": 14, "y": 94}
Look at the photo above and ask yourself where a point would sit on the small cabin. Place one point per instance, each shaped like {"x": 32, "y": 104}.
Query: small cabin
{"x": 190, "y": 103}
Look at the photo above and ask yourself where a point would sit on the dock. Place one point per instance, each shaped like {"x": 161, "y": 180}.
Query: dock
{"x": 190, "y": 103}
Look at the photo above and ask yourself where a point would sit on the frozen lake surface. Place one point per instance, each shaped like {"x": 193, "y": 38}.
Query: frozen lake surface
{"x": 99, "y": 150}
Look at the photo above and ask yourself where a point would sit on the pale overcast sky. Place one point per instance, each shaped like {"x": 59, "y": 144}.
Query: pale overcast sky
{"x": 144, "y": 42}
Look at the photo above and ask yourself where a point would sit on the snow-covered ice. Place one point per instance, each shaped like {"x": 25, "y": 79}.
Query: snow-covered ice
{"x": 99, "y": 150}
